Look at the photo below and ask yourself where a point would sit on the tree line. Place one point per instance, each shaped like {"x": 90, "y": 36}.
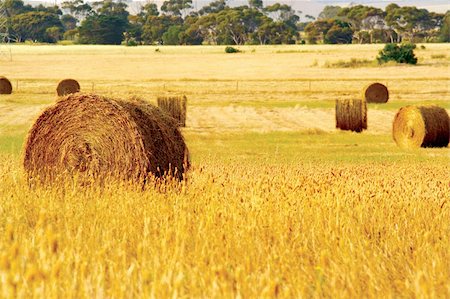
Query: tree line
{"x": 177, "y": 23}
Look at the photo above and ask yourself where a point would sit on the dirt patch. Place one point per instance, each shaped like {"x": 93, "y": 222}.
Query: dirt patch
{"x": 235, "y": 118}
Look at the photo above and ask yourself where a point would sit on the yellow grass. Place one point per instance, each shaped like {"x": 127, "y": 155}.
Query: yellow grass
{"x": 277, "y": 203}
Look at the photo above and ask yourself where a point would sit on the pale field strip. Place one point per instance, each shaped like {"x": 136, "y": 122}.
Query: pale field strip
{"x": 260, "y": 90}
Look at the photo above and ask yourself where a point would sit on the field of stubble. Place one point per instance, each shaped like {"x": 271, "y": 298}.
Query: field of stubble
{"x": 278, "y": 203}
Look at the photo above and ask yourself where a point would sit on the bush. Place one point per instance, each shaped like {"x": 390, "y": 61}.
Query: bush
{"x": 400, "y": 54}
{"x": 130, "y": 42}
{"x": 231, "y": 50}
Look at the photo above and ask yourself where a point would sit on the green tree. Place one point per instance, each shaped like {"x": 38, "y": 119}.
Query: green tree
{"x": 172, "y": 35}
{"x": 407, "y": 21}
{"x": 33, "y": 26}
{"x": 69, "y": 22}
{"x": 77, "y": 8}
{"x": 54, "y": 34}
{"x": 256, "y": 4}
{"x": 329, "y": 12}
{"x": 282, "y": 12}
{"x": 156, "y": 26}
{"x": 149, "y": 9}
{"x": 213, "y": 7}
{"x": 338, "y": 35}
{"x": 341, "y": 33}
{"x": 176, "y": 7}
{"x": 444, "y": 32}
{"x": 15, "y": 7}
{"x": 106, "y": 25}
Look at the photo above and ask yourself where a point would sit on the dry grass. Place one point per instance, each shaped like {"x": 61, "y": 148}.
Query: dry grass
{"x": 310, "y": 212}
{"x": 240, "y": 230}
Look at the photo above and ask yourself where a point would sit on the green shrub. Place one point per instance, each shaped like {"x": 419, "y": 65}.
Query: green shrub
{"x": 400, "y": 54}
{"x": 231, "y": 50}
{"x": 130, "y": 42}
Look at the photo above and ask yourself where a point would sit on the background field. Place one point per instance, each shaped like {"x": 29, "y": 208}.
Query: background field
{"x": 278, "y": 202}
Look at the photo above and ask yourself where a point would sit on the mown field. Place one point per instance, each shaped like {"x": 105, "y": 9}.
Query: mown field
{"x": 277, "y": 203}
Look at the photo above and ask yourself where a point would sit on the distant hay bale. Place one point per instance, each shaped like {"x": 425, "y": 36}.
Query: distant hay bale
{"x": 421, "y": 126}
{"x": 175, "y": 107}
{"x": 376, "y": 93}
{"x": 5, "y": 85}
{"x": 67, "y": 86}
{"x": 96, "y": 137}
{"x": 351, "y": 115}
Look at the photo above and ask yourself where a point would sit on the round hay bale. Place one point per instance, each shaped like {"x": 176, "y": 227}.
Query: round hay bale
{"x": 351, "y": 115}
{"x": 67, "y": 86}
{"x": 97, "y": 137}
{"x": 376, "y": 93}
{"x": 175, "y": 107}
{"x": 5, "y": 85}
{"x": 421, "y": 126}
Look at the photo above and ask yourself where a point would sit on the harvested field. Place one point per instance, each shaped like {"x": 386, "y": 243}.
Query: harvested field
{"x": 277, "y": 201}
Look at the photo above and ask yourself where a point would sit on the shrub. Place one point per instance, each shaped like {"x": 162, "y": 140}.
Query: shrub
{"x": 353, "y": 63}
{"x": 130, "y": 42}
{"x": 400, "y": 54}
{"x": 231, "y": 50}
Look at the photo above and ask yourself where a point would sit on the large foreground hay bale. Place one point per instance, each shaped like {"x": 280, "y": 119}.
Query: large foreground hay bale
{"x": 175, "y": 107}
{"x": 67, "y": 86}
{"x": 376, "y": 93}
{"x": 421, "y": 126}
{"x": 96, "y": 137}
{"x": 351, "y": 115}
{"x": 5, "y": 85}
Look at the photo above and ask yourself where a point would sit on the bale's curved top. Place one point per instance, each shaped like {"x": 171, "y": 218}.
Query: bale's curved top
{"x": 5, "y": 85}
{"x": 376, "y": 93}
{"x": 100, "y": 137}
{"x": 67, "y": 86}
{"x": 421, "y": 126}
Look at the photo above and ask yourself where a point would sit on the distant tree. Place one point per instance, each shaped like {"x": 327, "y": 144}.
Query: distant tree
{"x": 54, "y": 34}
{"x": 362, "y": 18}
{"x": 282, "y": 12}
{"x": 69, "y": 22}
{"x": 172, "y": 35}
{"x": 338, "y": 35}
{"x": 315, "y": 31}
{"x": 77, "y": 8}
{"x": 176, "y": 7}
{"x": 102, "y": 29}
{"x": 330, "y": 31}
{"x": 51, "y": 9}
{"x": 329, "y": 12}
{"x": 156, "y": 26}
{"x": 33, "y": 26}
{"x": 256, "y": 4}
{"x": 106, "y": 26}
{"x": 407, "y": 21}
{"x": 213, "y": 7}
{"x": 15, "y": 7}
{"x": 444, "y": 32}
{"x": 149, "y": 9}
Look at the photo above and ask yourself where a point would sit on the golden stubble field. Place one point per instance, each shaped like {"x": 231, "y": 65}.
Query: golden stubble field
{"x": 278, "y": 203}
